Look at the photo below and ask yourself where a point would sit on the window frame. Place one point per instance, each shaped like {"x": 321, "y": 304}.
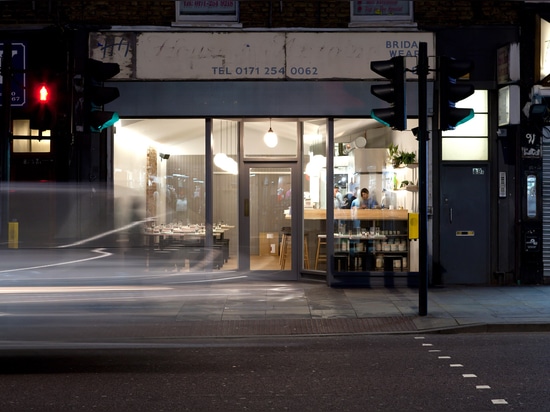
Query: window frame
{"x": 207, "y": 17}
{"x": 373, "y": 18}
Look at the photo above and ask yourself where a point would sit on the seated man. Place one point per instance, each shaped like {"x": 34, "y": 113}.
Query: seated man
{"x": 364, "y": 202}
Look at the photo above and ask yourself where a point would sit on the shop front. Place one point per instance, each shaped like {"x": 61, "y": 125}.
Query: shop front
{"x": 217, "y": 191}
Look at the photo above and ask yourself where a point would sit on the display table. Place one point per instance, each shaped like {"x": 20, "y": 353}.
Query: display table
{"x": 369, "y": 251}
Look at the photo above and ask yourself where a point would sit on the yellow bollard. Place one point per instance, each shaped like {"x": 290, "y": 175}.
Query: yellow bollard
{"x": 13, "y": 235}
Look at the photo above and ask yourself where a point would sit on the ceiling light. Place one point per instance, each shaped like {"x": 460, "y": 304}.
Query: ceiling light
{"x": 270, "y": 138}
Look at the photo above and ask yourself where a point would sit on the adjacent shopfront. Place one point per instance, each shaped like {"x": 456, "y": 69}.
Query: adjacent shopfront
{"x": 208, "y": 108}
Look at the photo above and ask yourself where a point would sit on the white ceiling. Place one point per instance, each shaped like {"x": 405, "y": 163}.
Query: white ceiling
{"x": 174, "y": 132}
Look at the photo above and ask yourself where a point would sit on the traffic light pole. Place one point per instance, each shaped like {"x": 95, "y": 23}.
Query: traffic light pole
{"x": 422, "y": 137}
{"x": 5, "y": 137}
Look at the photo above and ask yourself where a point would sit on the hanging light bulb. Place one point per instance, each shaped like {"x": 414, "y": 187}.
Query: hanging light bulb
{"x": 270, "y": 138}
{"x": 220, "y": 159}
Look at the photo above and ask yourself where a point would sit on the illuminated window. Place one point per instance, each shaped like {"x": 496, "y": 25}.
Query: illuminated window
{"x": 469, "y": 141}
{"x": 207, "y": 11}
{"x": 381, "y": 10}
{"x": 23, "y": 141}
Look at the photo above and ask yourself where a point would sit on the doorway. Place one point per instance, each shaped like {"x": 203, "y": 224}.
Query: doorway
{"x": 266, "y": 241}
{"x": 464, "y": 224}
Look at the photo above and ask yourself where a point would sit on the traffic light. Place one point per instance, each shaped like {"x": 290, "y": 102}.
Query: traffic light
{"x": 43, "y": 112}
{"x": 393, "y": 93}
{"x": 96, "y": 95}
{"x": 452, "y": 91}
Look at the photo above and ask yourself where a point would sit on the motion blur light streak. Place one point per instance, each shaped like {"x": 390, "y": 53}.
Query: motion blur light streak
{"x": 110, "y": 232}
{"x": 64, "y": 289}
{"x": 212, "y": 280}
{"x": 101, "y": 251}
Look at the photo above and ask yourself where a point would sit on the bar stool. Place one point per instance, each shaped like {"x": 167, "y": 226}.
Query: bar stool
{"x": 306, "y": 251}
{"x": 286, "y": 241}
{"x": 360, "y": 260}
{"x": 341, "y": 261}
{"x": 321, "y": 257}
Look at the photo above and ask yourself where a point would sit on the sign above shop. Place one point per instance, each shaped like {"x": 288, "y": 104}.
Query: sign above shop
{"x": 254, "y": 55}
{"x": 18, "y": 89}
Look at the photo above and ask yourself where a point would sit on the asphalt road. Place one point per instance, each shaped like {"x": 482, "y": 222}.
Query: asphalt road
{"x": 469, "y": 372}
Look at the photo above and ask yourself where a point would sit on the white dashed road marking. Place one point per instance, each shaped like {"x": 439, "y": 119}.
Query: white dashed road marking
{"x": 464, "y": 375}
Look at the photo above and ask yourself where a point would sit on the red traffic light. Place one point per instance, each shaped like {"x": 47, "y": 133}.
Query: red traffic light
{"x": 43, "y": 94}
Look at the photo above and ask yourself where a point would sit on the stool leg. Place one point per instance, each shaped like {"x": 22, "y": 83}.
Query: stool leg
{"x": 317, "y": 253}
{"x": 319, "y": 257}
{"x": 306, "y": 253}
{"x": 281, "y": 249}
{"x": 282, "y": 259}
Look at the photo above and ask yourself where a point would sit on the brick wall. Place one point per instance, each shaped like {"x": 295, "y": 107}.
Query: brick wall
{"x": 257, "y": 13}
{"x": 432, "y": 14}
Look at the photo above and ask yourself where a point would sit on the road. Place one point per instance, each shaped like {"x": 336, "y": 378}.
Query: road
{"x": 469, "y": 372}
{"x": 51, "y": 359}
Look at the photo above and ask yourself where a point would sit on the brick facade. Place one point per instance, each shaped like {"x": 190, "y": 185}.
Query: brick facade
{"x": 428, "y": 14}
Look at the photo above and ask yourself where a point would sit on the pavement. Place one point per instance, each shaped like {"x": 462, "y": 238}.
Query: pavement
{"x": 234, "y": 304}
{"x": 269, "y": 308}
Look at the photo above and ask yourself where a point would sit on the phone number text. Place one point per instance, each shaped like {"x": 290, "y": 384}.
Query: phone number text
{"x": 264, "y": 71}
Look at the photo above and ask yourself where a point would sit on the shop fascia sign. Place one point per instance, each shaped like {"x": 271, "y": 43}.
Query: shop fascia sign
{"x": 254, "y": 55}
{"x": 19, "y": 65}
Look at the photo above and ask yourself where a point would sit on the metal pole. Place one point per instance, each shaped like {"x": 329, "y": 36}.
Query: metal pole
{"x": 422, "y": 137}
{"x": 5, "y": 138}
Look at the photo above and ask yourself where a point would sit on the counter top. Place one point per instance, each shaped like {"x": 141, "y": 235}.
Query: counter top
{"x": 360, "y": 214}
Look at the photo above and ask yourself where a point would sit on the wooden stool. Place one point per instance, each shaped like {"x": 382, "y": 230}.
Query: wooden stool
{"x": 286, "y": 241}
{"x": 321, "y": 257}
{"x": 341, "y": 261}
{"x": 360, "y": 257}
{"x": 306, "y": 251}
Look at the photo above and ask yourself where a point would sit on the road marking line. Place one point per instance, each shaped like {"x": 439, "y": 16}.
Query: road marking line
{"x": 419, "y": 337}
{"x": 427, "y": 344}
{"x": 499, "y": 402}
{"x": 443, "y": 357}
{"x": 483, "y": 387}
{"x": 456, "y": 365}
{"x": 434, "y": 350}
{"x": 469, "y": 375}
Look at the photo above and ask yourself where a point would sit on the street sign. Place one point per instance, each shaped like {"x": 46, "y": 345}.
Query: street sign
{"x": 18, "y": 86}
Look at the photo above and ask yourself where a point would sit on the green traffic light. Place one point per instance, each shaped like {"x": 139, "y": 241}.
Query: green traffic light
{"x": 461, "y": 115}
{"x": 101, "y": 120}
{"x": 97, "y": 95}
{"x": 394, "y": 92}
{"x": 380, "y": 114}
{"x": 452, "y": 91}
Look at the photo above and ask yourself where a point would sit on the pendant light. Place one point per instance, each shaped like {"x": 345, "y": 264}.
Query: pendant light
{"x": 270, "y": 138}
{"x": 219, "y": 158}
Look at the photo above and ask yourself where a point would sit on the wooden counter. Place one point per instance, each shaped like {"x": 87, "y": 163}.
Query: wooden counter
{"x": 361, "y": 214}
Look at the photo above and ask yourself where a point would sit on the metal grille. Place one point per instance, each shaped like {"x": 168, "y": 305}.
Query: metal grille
{"x": 546, "y": 208}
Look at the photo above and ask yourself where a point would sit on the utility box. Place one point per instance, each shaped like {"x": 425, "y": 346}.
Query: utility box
{"x": 13, "y": 234}
{"x": 414, "y": 226}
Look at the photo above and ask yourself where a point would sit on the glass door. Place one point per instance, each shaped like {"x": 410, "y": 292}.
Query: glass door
{"x": 267, "y": 218}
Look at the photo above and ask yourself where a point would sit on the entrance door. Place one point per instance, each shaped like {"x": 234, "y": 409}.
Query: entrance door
{"x": 266, "y": 243}
{"x": 464, "y": 224}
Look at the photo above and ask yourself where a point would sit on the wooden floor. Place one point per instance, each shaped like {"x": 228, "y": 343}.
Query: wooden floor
{"x": 258, "y": 263}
